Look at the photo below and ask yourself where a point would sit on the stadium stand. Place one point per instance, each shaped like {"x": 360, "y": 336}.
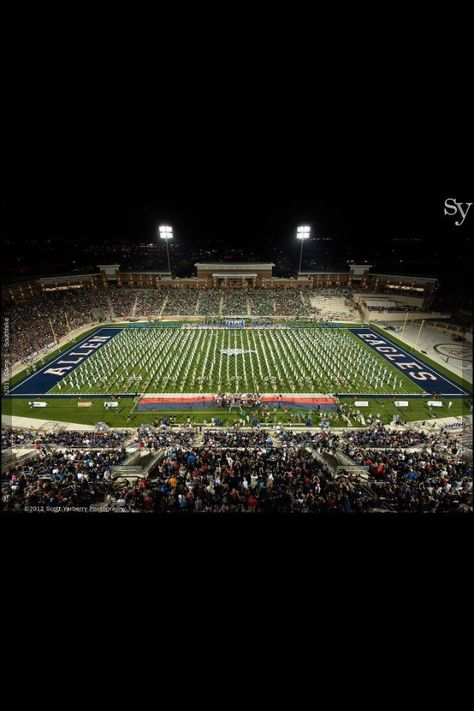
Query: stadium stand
{"x": 16, "y": 437}
{"x": 235, "y": 303}
{"x": 333, "y": 304}
{"x": 148, "y": 302}
{"x": 247, "y": 471}
{"x": 181, "y": 303}
{"x": 122, "y": 300}
{"x": 209, "y": 302}
{"x": 37, "y": 325}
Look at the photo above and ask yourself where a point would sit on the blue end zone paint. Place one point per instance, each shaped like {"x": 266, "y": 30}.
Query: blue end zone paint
{"x": 39, "y": 383}
{"x": 432, "y": 382}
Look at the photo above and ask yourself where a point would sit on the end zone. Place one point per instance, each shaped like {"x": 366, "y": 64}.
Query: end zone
{"x": 419, "y": 372}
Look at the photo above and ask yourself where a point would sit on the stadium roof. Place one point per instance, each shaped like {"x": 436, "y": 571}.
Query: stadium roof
{"x": 11, "y": 281}
{"x": 326, "y": 272}
{"x": 65, "y": 277}
{"x": 232, "y": 266}
{"x": 405, "y": 277}
{"x": 142, "y": 272}
{"x": 234, "y": 276}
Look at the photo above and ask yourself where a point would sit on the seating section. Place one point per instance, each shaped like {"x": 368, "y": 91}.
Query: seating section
{"x": 37, "y": 324}
{"x": 180, "y": 302}
{"x": 333, "y": 304}
{"x": 241, "y": 471}
{"x": 209, "y": 302}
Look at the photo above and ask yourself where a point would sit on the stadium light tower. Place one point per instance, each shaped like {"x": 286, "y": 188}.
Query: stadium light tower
{"x": 166, "y": 233}
{"x": 302, "y": 233}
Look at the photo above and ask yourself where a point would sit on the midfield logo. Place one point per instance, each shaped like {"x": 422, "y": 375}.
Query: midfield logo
{"x": 235, "y": 351}
{"x": 455, "y": 206}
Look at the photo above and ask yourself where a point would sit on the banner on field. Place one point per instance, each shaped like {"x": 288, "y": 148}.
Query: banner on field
{"x": 401, "y": 403}
{"x": 435, "y": 403}
{"x": 84, "y": 404}
{"x": 110, "y": 404}
{"x": 39, "y": 404}
{"x": 362, "y": 403}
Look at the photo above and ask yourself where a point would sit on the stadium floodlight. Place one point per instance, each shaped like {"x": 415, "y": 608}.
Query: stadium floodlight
{"x": 303, "y": 232}
{"x": 166, "y": 233}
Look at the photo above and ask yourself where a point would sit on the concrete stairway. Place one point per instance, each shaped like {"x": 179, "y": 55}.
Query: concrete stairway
{"x": 162, "y": 311}
{"x": 111, "y": 308}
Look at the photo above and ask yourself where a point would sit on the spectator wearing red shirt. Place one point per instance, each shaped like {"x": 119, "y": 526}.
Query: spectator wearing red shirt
{"x": 251, "y": 503}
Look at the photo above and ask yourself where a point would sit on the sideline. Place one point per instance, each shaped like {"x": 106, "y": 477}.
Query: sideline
{"x": 430, "y": 424}
{"x": 34, "y": 424}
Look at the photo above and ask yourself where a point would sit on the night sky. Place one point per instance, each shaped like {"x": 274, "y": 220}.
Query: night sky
{"x": 406, "y": 234}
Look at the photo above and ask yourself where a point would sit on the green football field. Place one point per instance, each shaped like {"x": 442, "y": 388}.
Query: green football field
{"x": 67, "y": 410}
{"x": 310, "y": 360}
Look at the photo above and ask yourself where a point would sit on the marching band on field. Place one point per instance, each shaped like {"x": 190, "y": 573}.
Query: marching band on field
{"x": 250, "y": 360}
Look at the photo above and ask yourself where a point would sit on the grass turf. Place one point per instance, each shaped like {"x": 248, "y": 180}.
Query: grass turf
{"x": 66, "y": 410}
{"x": 294, "y": 360}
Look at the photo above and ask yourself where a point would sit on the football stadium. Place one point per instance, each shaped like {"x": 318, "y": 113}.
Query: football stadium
{"x": 237, "y": 386}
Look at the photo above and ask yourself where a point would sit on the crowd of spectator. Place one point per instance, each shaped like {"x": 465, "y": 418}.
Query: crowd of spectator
{"x": 81, "y": 302}
{"x": 379, "y": 436}
{"x": 149, "y": 302}
{"x": 270, "y": 480}
{"x": 241, "y": 470}
{"x": 419, "y": 481}
{"x": 153, "y": 438}
{"x": 17, "y": 437}
{"x": 319, "y": 441}
{"x": 38, "y": 324}
{"x": 291, "y": 302}
{"x": 122, "y": 300}
{"x": 237, "y": 438}
{"x": 217, "y": 480}
{"x": 235, "y": 302}
{"x": 209, "y": 302}
{"x": 60, "y": 479}
{"x": 180, "y": 302}
{"x": 261, "y": 301}
{"x": 12, "y": 437}
{"x": 255, "y": 301}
